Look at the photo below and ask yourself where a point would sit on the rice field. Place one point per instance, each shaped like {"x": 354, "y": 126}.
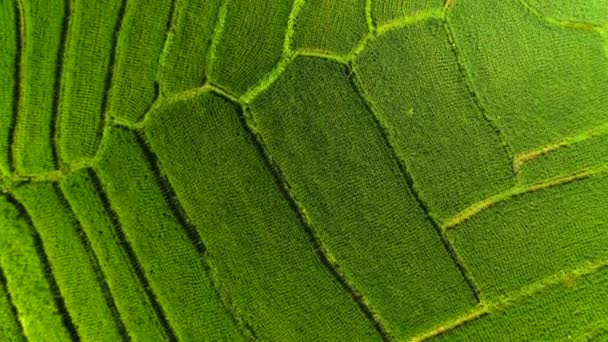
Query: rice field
{"x": 303, "y": 170}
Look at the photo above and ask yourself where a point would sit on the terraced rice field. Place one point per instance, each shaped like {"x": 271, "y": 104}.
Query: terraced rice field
{"x": 303, "y": 170}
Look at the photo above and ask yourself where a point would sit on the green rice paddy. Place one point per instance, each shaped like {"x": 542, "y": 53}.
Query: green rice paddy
{"x": 303, "y": 170}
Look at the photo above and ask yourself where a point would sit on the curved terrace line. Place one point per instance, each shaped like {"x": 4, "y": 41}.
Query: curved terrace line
{"x": 457, "y": 220}
{"x": 522, "y": 158}
{"x": 502, "y": 303}
{"x": 287, "y": 56}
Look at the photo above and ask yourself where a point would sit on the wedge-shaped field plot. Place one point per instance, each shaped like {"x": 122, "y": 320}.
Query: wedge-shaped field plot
{"x": 186, "y": 49}
{"x": 570, "y": 155}
{"x": 522, "y": 239}
{"x": 538, "y": 81}
{"x": 137, "y": 49}
{"x": 454, "y": 152}
{"x": 86, "y": 70}
{"x": 574, "y": 307}
{"x": 249, "y": 42}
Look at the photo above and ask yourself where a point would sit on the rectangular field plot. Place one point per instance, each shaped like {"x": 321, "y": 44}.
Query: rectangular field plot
{"x": 250, "y": 42}
{"x": 573, "y": 310}
{"x": 257, "y": 246}
{"x": 9, "y": 40}
{"x": 169, "y": 258}
{"x": 330, "y": 26}
{"x": 109, "y": 244}
{"x": 140, "y": 42}
{"x": 533, "y": 76}
{"x": 28, "y": 278}
{"x": 44, "y": 29}
{"x": 567, "y": 159}
{"x": 531, "y": 236}
{"x": 455, "y": 155}
{"x": 85, "y": 72}
{"x": 349, "y": 184}
{"x": 86, "y": 297}
{"x": 184, "y": 57}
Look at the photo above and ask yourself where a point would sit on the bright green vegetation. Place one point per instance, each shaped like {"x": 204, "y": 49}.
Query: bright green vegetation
{"x": 31, "y": 286}
{"x": 577, "y": 153}
{"x": 85, "y": 70}
{"x": 83, "y": 288}
{"x": 475, "y": 163}
{"x": 8, "y": 53}
{"x": 351, "y": 188}
{"x": 185, "y": 53}
{"x": 10, "y": 328}
{"x": 119, "y": 265}
{"x": 385, "y": 11}
{"x": 591, "y": 12}
{"x": 532, "y": 96}
{"x": 247, "y": 224}
{"x": 248, "y": 42}
{"x": 303, "y": 170}
{"x": 170, "y": 259}
{"x": 534, "y": 235}
{"x": 569, "y": 310}
{"x": 330, "y": 26}
{"x": 140, "y": 41}
{"x": 42, "y": 27}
